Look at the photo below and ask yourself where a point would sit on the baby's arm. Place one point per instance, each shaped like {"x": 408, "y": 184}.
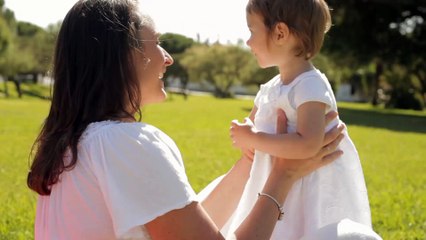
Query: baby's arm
{"x": 304, "y": 143}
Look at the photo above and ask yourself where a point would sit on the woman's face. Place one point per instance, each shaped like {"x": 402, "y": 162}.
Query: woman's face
{"x": 151, "y": 62}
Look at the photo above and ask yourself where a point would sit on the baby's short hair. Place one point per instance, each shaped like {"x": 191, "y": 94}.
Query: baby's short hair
{"x": 308, "y": 20}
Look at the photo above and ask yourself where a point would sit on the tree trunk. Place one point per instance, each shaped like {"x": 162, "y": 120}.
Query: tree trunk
{"x": 35, "y": 78}
{"x": 17, "y": 83}
{"x": 376, "y": 83}
{"x": 422, "y": 80}
{"x": 6, "y": 90}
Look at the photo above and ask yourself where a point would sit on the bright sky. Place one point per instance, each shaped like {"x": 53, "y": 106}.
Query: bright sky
{"x": 222, "y": 20}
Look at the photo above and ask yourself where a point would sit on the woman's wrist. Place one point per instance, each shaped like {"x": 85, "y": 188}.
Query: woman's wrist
{"x": 246, "y": 157}
{"x": 275, "y": 201}
{"x": 278, "y": 184}
{"x": 244, "y": 164}
{"x": 284, "y": 175}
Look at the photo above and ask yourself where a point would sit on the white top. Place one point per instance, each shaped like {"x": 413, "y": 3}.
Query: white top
{"x": 328, "y": 195}
{"x": 127, "y": 174}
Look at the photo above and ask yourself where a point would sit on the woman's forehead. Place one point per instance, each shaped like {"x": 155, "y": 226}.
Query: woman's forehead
{"x": 149, "y": 33}
{"x": 148, "y": 27}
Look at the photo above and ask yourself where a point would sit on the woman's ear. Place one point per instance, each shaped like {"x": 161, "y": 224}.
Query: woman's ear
{"x": 281, "y": 32}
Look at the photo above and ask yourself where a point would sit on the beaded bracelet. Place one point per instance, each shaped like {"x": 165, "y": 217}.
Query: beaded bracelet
{"x": 280, "y": 208}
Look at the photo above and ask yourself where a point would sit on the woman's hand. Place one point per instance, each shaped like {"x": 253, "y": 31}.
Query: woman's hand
{"x": 297, "y": 168}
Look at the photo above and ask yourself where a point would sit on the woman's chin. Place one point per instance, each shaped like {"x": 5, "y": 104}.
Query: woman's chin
{"x": 159, "y": 99}
{"x": 164, "y": 97}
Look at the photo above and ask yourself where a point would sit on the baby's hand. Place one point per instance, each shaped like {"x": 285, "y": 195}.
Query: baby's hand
{"x": 242, "y": 133}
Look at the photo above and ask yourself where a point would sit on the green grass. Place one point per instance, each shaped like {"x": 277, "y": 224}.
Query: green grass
{"x": 391, "y": 143}
{"x": 19, "y": 124}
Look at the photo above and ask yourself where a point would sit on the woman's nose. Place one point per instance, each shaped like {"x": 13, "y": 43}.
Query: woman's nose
{"x": 168, "y": 59}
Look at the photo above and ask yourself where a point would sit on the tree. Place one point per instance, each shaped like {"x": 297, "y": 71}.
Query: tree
{"x": 38, "y": 43}
{"x": 175, "y": 43}
{"x": 374, "y": 31}
{"x": 6, "y": 38}
{"x": 26, "y": 49}
{"x": 219, "y": 65}
{"x": 254, "y": 75}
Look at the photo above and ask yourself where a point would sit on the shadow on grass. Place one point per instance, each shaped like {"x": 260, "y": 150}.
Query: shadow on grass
{"x": 376, "y": 119}
{"x": 390, "y": 121}
{"x": 32, "y": 90}
{"x": 35, "y": 93}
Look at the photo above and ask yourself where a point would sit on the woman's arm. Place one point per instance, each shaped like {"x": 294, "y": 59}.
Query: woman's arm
{"x": 223, "y": 200}
{"x": 193, "y": 222}
{"x": 304, "y": 143}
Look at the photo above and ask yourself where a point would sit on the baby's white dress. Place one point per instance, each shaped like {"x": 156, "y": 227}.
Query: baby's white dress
{"x": 328, "y": 195}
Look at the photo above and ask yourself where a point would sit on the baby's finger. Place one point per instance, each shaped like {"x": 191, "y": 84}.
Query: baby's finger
{"x": 234, "y": 123}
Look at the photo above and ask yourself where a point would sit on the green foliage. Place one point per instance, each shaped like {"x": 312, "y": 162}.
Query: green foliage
{"x": 9, "y": 16}
{"x": 219, "y": 65}
{"x": 405, "y": 99}
{"x": 26, "y": 29}
{"x": 175, "y": 43}
{"x": 386, "y": 32}
{"x": 5, "y": 36}
{"x": 259, "y": 75}
{"x": 381, "y": 32}
{"x": 16, "y": 61}
{"x": 332, "y": 70}
{"x": 390, "y": 143}
{"x": 24, "y": 47}
{"x": 394, "y": 37}
{"x": 405, "y": 91}
{"x": 5, "y": 33}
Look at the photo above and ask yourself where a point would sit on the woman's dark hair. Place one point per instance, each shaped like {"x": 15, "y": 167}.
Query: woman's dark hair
{"x": 94, "y": 80}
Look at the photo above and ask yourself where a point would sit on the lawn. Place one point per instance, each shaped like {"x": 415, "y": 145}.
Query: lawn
{"x": 391, "y": 143}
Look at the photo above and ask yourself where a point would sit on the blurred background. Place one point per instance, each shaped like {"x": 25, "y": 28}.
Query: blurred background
{"x": 374, "y": 52}
{"x": 373, "y": 55}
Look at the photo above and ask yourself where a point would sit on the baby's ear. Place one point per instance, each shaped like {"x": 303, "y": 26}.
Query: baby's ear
{"x": 281, "y": 31}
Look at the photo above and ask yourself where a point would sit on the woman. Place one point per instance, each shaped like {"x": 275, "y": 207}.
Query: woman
{"x": 100, "y": 173}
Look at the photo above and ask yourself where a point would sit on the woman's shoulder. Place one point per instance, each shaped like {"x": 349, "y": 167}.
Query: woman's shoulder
{"x": 120, "y": 131}
{"x": 131, "y": 139}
